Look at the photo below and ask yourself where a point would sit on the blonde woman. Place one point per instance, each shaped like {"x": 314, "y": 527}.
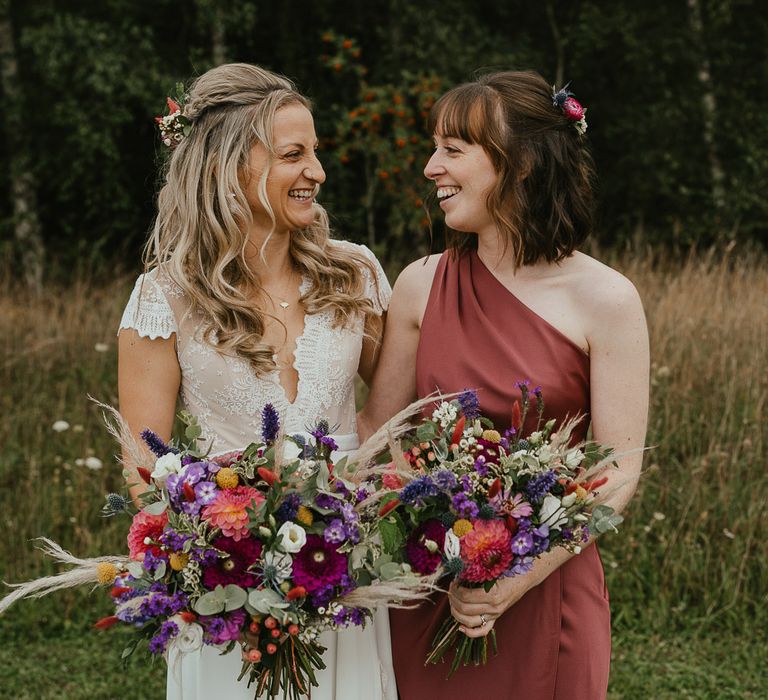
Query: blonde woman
{"x": 247, "y": 300}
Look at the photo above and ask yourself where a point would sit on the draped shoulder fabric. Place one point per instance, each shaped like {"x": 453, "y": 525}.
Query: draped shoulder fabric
{"x": 554, "y": 644}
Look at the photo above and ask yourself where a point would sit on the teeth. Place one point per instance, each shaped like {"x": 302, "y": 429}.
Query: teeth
{"x": 445, "y": 192}
{"x": 301, "y": 195}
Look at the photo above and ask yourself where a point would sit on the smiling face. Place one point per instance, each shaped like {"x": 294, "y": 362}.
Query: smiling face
{"x": 464, "y": 177}
{"x": 294, "y": 176}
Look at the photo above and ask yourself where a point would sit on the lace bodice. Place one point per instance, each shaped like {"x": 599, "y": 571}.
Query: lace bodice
{"x": 225, "y": 393}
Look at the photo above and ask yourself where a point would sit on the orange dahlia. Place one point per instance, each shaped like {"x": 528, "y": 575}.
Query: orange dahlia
{"x": 486, "y": 551}
{"x": 229, "y": 511}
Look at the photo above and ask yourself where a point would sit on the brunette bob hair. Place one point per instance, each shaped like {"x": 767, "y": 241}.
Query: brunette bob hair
{"x": 543, "y": 201}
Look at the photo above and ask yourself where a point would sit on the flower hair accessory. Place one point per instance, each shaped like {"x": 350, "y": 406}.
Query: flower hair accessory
{"x": 564, "y": 100}
{"x": 174, "y": 126}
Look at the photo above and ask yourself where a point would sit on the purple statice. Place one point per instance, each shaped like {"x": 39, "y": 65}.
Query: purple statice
{"x": 335, "y": 532}
{"x": 340, "y": 488}
{"x": 289, "y": 507}
{"x": 327, "y": 502}
{"x": 361, "y": 494}
{"x": 152, "y": 561}
{"x": 445, "y": 480}
{"x": 540, "y": 485}
{"x": 155, "y": 443}
{"x": 270, "y": 424}
{"x": 329, "y": 442}
{"x": 464, "y": 506}
{"x": 585, "y": 534}
{"x": 418, "y": 490}
{"x": 470, "y": 406}
{"x": 481, "y": 466}
{"x": 204, "y": 556}
{"x": 522, "y": 543}
{"x": 349, "y": 617}
{"x": 159, "y": 642}
{"x": 173, "y": 540}
{"x": 163, "y": 604}
{"x": 567, "y": 534}
{"x": 350, "y": 519}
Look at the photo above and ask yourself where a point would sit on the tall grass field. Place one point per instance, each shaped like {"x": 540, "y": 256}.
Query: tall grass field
{"x": 688, "y": 573}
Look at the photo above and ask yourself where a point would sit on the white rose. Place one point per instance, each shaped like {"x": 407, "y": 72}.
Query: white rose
{"x": 452, "y": 546}
{"x": 166, "y": 465}
{"x": 552, "y": 512}
{"x": 189, "y": 638}
{"x": 294, "y": 537}
{"x": 545, "y": 454}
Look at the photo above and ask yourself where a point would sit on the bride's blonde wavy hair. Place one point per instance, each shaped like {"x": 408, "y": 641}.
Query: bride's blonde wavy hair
{"x": 200, "y": 234}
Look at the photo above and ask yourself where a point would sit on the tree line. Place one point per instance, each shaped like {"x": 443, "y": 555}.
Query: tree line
{"x": 675, "y": 92}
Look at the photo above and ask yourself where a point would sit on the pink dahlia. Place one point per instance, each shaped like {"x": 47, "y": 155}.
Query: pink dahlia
{"x": 572, "y": 109}
{"x": 317, "y": 564}
{"x": 391, "y": 478}
{"x": 420, "y": 557}
{"x": 145, "y": 525}
{"x": 229, "y": 510}
{"x": 486, "y": 551}
{"x": 234, "y": 568}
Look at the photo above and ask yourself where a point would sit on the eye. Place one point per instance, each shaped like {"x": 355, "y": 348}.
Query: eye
{"x": 292, "y": 155}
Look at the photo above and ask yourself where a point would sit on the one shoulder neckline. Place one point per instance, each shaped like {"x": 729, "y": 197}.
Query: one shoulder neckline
{"x": 486, "y": 270}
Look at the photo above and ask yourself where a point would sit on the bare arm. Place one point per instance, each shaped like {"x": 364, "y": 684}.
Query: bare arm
{"x": 619, "y": 367}
{"x": 369, "y": 355}
{"x": 148, "y": 381}
{"x": 394, "y": 382}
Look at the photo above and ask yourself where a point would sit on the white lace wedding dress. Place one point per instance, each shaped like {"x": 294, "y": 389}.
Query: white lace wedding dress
{"x": 227, "y": 397}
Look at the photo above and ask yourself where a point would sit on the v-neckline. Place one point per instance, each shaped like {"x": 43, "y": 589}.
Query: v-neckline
{"x": 303, "y": 286}
{"x": 475, "y": 256}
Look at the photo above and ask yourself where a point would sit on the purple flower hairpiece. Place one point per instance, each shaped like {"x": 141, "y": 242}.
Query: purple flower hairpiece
{"x": 564, "y": 100}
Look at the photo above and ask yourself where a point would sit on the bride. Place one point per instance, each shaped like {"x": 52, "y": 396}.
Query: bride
{"x": 248, "y": 301}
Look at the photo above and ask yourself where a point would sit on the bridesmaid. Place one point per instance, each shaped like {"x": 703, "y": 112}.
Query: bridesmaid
{"x": 513, "y": 299}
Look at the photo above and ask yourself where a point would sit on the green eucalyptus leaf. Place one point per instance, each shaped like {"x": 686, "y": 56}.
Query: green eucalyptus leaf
{"x": 156, "y": 508}
{"x": 234, "y": 597}
{"x": 211, "y": 603}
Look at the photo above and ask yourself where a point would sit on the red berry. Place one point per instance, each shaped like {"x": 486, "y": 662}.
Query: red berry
{"x": 271, "y": 648}
{"x": 293, "y": 630}
{"x": 275, "y": 633}
{"x": 270, "y": 623}
{"x": 254, "y": 627}
{"x": 254, "y": 656}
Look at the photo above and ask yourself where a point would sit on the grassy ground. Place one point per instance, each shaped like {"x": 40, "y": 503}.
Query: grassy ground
{"x": 686, "y": 574}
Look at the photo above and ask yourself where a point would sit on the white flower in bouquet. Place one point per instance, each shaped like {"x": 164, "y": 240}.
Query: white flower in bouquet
{"x": 552, "y": 512}
{"x": 544, "y": 454}
{"x": 573, "y": 458}
{"x": 190, "y": 636}
{"x": 445, "y": 414}
{"x": 452, "y": 546}
{"x": 278, "y": 566}
{"x": 294, "y": 537}
{"x": 166, "y": 465}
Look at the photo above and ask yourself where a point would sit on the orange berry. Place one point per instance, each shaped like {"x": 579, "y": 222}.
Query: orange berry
{"x": 347, "y": 43}
{"x": 275, "y": 633}
{"x": 254, "y": 627}
{"x": 271, "y": 648}
{"x": 270, "y": 623}
{"x": 293, "y": 630}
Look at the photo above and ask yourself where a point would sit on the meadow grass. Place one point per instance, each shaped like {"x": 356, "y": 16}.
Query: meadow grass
{"x": 686, "y": 574}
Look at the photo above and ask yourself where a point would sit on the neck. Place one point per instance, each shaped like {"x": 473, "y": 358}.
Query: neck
{"x": 271, "y": 262}
{"x": 491, "y": 250}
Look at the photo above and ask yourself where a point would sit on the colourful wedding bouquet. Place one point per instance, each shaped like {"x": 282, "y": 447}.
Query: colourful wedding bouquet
{"x": 246, "y": 547}
{"x": 476, "y": 506}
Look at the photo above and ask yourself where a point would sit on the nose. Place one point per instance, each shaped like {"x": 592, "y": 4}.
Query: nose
{"x": 314, "y": 171}
{"x": 434, "y": 167}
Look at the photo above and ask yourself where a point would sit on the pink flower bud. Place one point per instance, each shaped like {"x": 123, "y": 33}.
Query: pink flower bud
{"x": 572, "y": 109}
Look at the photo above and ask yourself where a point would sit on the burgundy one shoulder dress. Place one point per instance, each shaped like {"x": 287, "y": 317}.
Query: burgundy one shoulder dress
{"x": 555, "y": 642}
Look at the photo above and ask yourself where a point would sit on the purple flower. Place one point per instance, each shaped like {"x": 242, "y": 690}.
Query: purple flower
{"x": 205, "y": 492}
{"x": 480, "y": 466}
{"x": 223, "y": 628}
{"x": 540, "y": 485}
{"x": 464, "y": 506}
{"x": 335, "y": 532}
{"x": 423, "y": 559}
{"x": 470, "y": 406}
{"x": 418, "y": 490}
{"x": 349, "y": 616}
{"x": 270, "y": 424}
{"x": 318, "y": 564}
{"x": 522, "y": 543}
{"x": 289, "y": 507}
{"x": 522, "y": 565}
{"x": 329, "y": 442}
{"x": 173, "y": 540}
{"x": 159, "y": 642}
{"x": 327, "y": 502}
{"x": 152, "y": 561}
{"x": 156, "y": 444}
{"x": 445, "y": 480}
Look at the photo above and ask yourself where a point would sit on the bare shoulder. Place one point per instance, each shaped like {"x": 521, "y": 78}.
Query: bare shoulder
{"x": 413, "y": 284}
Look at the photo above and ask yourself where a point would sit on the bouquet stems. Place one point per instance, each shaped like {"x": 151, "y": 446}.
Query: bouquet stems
{"x": 468, "y": 649}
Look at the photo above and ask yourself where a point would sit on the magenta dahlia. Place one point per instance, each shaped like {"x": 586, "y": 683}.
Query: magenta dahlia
{"x": 234, "y": 568}
{"x": 317, "y": 564}
{"x": 420, "y": 556}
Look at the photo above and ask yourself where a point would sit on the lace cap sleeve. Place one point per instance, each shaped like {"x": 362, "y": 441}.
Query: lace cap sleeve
{"x": 148, "y": 311}
{"x": 377, "y": 287}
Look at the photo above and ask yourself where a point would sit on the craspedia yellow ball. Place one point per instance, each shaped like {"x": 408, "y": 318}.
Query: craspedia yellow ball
{"x": 581, "y": 493}
{"x": 227, "y": 479}
{"x": 304, "y": 516}
{"x": 492, "y": 436}
{"x": 461, "y": 527}
{"x": 178, "y": 560}
{"x": 106, "y": 572}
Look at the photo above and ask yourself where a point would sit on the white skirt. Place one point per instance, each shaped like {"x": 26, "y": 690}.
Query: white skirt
{"x": 358, "y": 661}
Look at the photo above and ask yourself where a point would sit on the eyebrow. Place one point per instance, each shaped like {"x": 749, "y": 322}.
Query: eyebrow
{"x": 296, "y": 145}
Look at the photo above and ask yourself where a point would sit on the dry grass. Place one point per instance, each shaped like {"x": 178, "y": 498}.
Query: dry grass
{"x": 694, "y": 547}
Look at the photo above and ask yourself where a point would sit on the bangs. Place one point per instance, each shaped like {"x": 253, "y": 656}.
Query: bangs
{"x": 468, "y": 112}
